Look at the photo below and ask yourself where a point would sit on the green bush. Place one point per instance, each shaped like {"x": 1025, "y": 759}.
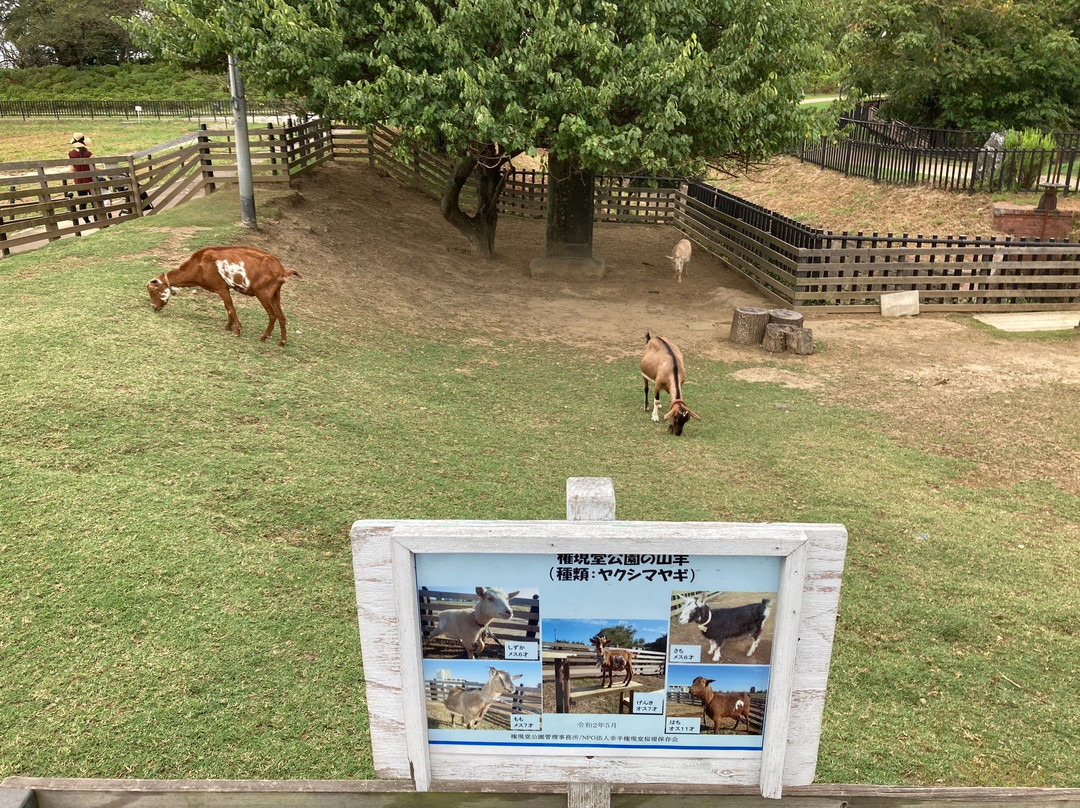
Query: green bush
{"x": 129, "y": 82}
{"x": 1027, "y": 154}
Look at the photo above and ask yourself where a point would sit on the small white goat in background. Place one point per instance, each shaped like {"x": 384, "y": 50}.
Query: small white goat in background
{"x": 467, "y": 626}
{"x": 472, "y": 705}
{"x": 680, "y": 257}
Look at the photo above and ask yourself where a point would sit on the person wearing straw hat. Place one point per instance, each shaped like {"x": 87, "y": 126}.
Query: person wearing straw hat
{"x": 80, "y": 150}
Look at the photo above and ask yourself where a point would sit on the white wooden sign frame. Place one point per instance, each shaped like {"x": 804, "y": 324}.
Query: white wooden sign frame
{"x": 812, "y": 558}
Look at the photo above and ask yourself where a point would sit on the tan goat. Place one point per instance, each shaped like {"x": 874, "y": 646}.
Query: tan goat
{"x": 662, "y": 364}
{"x": 680, "y": 257}
{"x": 220, "y": 269}
{"x": 721, "y": 705}
{"x": 610, "y": 660}
{"x": 472, "y": 705}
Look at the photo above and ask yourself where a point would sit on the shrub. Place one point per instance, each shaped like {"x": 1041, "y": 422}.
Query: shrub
{"x": 1027, "y": 154}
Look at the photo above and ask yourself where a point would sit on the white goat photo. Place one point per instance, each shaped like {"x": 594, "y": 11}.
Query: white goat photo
{"x": 469, "y": 625}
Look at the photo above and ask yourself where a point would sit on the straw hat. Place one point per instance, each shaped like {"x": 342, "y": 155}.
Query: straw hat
{"x": 79, "y": 139}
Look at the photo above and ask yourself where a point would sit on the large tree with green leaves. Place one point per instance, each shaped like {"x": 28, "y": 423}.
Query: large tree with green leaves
{"x": 72, "y": 33}
{"x": 969, "y": 64}
{"x": 649, "y": 86}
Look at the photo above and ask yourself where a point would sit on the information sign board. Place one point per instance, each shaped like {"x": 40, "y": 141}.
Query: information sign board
{"x": 636, "y": 651}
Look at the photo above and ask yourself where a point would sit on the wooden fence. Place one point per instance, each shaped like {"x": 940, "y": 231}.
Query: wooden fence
{"x": 794, "y": 265}
{"x": 41, "y": 202}
{"x": 583, "y": 664}
{"x": 40, "y": 792}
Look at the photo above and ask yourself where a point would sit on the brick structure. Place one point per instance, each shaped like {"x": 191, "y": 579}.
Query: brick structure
{"x": 1028, "y": 222}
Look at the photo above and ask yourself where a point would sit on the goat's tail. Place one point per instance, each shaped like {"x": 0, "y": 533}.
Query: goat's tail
{"x": 289, "y": 272}
{"x": 648, "y": 337}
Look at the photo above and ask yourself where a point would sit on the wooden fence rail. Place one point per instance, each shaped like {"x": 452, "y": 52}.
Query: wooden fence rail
{"x": 794, "y": 265}
{"x": 35, "y": 792}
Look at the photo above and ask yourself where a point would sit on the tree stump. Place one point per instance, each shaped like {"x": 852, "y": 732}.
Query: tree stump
{"x": 785, "y": 317}
{"x": 800, "y": 341}
{"x": 748, "y": 325}
{"x": 775, "y": 339}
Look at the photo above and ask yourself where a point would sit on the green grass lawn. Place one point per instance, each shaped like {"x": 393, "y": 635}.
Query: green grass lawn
{"x": 174, "y": 557}
{"x": 48, "y": 138}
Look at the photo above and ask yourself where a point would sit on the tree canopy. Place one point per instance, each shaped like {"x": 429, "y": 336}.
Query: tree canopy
{"x": 975, "y": 64}
{"x": 71, "y": 33}
{"x": 649, "y": 86}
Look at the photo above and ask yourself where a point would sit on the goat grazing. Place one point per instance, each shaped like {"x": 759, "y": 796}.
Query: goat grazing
{"x": 467, "y": 626}
{"x": 218, "y": 269}
{"x": 472, "y": 705}
{"x": 680, "y": 257}
{"x": 721, "y": 705}
{"x": 724, "y": 624}
{"x": 609, "y": 660}
{"x": 662, "y": 364}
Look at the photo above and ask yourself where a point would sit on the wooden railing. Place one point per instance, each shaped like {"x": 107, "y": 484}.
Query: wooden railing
{"x": 39, "y": 792}
{"x": 795, "y": 265}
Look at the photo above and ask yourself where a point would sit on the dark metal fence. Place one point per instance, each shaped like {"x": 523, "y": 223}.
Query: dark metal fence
{"x": 951, "y": 169}
{"x": 210, "y": 108}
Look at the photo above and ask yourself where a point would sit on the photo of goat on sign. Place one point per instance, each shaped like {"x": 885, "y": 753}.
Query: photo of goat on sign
{"x": 476, "y": 624}
{"x": 478, "y": 695}
{"x": 722, "y": 627}
{"x": 725, "y": 701}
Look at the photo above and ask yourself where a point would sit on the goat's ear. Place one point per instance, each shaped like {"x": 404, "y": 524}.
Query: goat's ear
{"x": 154, "y": 282}
{"x": 692, "y": 414}
{"x": 518, "y": 676}
{"x": 480, "y": 591}
{"x": 709, "y": 681}
{"x": 512, "y": 594}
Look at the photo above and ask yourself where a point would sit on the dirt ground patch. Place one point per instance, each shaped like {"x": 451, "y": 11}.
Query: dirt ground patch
{"x": 381, "y": 252}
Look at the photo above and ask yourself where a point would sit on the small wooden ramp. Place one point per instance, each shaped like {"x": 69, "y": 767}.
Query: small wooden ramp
{"x": 1032, "y": 320}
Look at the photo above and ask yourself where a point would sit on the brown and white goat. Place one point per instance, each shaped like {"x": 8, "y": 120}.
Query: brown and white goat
{"x": 610, "y": 660}
{"x": 468, "y": 626}
{"x": 662, "y": 364}
{"x": 721, "y": 705}
{"x": 679, "y": 258}
{"x": 245, "y": 270}
{"x": 472, "y": 705}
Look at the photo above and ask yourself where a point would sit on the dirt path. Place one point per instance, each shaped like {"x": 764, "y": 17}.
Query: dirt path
{"x": 381, "y": 251}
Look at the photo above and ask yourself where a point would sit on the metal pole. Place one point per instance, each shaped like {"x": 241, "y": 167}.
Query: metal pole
{"x": 243, "y": 150}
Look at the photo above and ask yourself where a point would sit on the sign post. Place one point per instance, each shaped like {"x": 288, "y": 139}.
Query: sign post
{"x": 594, "y": 651}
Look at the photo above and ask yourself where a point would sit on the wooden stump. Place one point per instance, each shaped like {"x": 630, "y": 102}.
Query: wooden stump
{"x": 748, "y": 325}
{"x": 785, "y": 317}
{"x": 800, "y": 341}
{"x": 775, "y": 339}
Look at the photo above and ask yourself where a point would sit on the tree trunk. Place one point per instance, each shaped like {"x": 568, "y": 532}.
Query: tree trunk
{"x": 775, "y": 339}
{"x": 570, "y": 209}
{"x": 785, "y": 317}
{"x": 570, "y": 212}
{"x": 490, "y": 179}
{"x": 748, "y": 325}
{"x": 800, "y": 341}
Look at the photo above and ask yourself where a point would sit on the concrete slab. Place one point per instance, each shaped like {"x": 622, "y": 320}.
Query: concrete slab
{"x": 900, "y": 304}
{"x": 1031, "y": 320}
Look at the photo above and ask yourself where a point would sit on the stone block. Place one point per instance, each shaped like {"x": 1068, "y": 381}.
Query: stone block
{"x": 900, "y": 304}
